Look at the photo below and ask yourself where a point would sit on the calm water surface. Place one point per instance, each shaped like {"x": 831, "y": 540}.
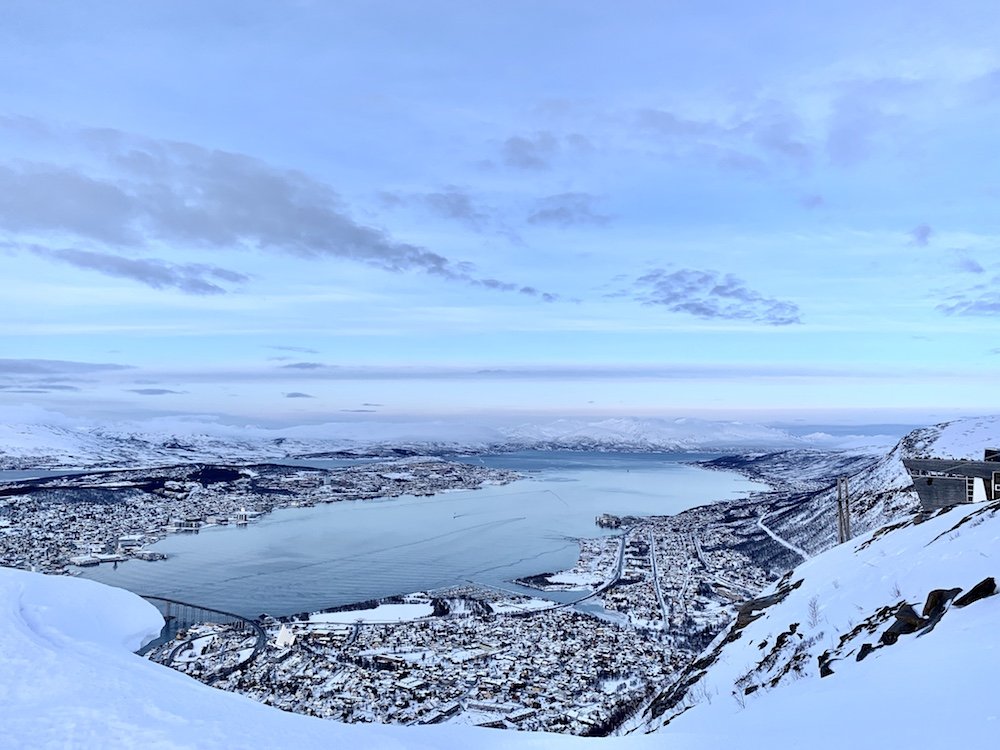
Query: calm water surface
{"x": 302, "y": 559}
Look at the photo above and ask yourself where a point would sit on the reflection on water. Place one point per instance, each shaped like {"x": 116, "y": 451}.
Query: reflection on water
{"x": 301, "y": 559}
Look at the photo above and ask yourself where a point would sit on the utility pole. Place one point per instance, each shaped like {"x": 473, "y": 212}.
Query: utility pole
{"x": 843, "y": 511}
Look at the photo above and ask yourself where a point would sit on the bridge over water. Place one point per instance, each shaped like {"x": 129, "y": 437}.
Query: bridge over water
{"x": 179, "y": 616}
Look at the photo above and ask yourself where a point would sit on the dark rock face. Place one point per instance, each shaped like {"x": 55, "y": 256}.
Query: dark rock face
{"x": 907, "y": 621}
{"x": 986, "y": 587}
{"x": 866, "y": 648}
{"x": 937, "y": 600}
{"x": 754, "y": 608}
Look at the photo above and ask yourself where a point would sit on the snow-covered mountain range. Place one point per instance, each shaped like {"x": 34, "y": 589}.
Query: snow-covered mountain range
{"x": 46, "y": 440}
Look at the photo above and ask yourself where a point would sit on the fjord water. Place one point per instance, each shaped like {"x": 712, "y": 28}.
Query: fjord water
{"x": 305, "y": 559}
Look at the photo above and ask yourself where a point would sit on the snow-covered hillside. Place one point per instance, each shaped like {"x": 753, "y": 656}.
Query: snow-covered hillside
{"x": 881, "y": 491}
{"x": 890, "y": 636}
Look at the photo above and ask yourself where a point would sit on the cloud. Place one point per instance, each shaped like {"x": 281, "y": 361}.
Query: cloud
{"x": 860, "y": 118}
{"x": 742, "y": 143}
{"x": 969, "y": 265}
{"x": 451, "y": 202}
{"x": 529, "y": 152}
{"x": 711, "y": 295}
{"x": 567, "y": 209}
{"x": 136, "y": 193}
{"x": 298, "y": 394}
{"x": 54, "y": 367}
{"x": 455, "y": 203}
{"x": 40, "y": 387}
{"x": 299, "y": 349}
{"x": 190, "y": 278}
{"x": 154, "y": 391}
{"x": 814, "y": 200}
{"x": 920, "y": 235}
{"x": 980, "y": 300}
{"x": 304, "y": 366}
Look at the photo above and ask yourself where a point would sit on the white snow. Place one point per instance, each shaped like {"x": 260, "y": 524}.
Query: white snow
{"x": 381, "y": 613}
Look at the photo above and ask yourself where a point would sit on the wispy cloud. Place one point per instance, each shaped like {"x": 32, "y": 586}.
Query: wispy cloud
{"x": 531, "y": 152}
{"x": 298, "y": 394}
{"x": 979, "y": 300}
{"x": 56, "y": 367}
{"x": 155, "y": 391}
{"x": 450, "y": 202}
{"x": 191, "y": 278}
{"x": 305, "y": 366}
{"x": 710, "y": 294}
{"x": 567, "y": 209}
{"x": 297, "y": 349}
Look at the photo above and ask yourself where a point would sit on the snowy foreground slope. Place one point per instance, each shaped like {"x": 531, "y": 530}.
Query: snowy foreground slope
{"x": 932, "y": 679}
{"x": 71, "y": 681}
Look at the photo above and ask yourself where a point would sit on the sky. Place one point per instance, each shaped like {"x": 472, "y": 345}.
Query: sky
{"x": 297, "y": 212}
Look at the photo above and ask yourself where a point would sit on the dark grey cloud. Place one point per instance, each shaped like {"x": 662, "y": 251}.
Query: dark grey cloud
{"x": 567, "y": 209}
{"x": 140, "y": 193}
{"x": 191, "y": 278}
{"x": 298, "y": 394}
{"x": 920, "y": 235}
{"x": 154, "y": 391}
{"x": 709, "y": 294}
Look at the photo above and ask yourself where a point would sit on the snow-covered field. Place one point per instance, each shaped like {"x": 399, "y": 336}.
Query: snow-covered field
{"x": 381, "y": 613}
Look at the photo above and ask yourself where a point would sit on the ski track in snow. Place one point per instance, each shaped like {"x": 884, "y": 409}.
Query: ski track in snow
{"x": 784, "y": 543}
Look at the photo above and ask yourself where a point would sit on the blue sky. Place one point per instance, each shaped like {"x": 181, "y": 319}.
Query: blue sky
{"x": 298, "y": 212}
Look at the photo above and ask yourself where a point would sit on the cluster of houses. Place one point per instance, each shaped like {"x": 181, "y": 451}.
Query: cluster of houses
{"x": 581, "y": 669}
{"x": 59, "y": 524}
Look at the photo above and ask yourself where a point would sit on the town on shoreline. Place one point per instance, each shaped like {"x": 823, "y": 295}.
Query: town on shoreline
{"x": 649, "y": 599}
